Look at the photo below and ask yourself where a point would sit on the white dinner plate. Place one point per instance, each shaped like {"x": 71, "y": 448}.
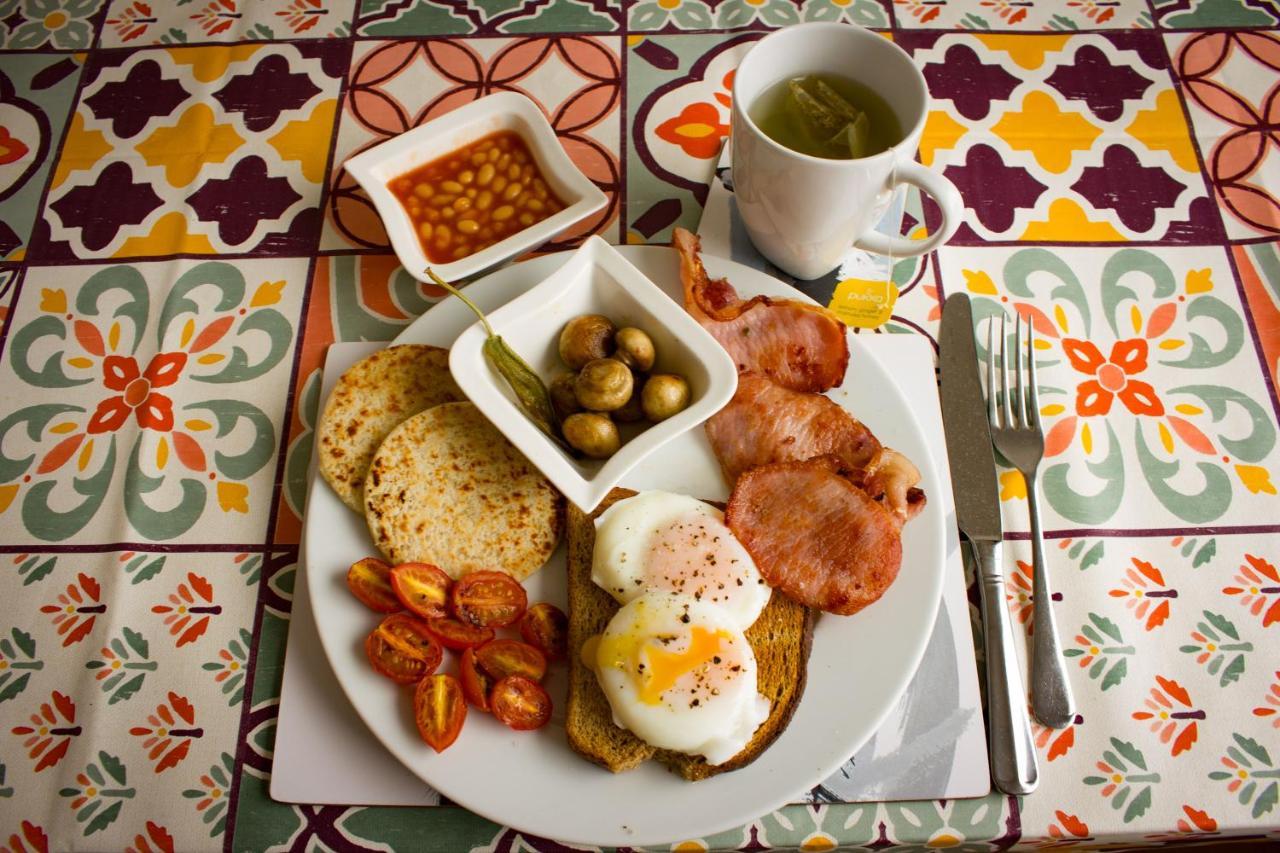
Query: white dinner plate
{"x": 533, "y": 781}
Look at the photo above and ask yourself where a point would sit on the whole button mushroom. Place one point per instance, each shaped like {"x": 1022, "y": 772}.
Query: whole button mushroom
{"x": 585, "y": 338}
{"x": 603, "y": 385}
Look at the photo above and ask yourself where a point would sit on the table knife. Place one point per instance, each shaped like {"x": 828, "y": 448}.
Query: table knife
{"x": 973, "y": 481}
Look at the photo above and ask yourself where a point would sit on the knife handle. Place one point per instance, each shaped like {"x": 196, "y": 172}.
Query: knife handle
{"x": 1013, "y": 756}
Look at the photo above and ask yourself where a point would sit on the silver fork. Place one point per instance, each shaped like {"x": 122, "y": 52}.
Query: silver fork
{"x": 1016, "y": 433}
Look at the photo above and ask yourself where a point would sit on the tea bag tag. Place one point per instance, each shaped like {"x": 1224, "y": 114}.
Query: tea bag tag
{"x": 864, "y": 304}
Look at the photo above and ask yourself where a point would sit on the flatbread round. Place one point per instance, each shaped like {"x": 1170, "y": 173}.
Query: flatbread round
{"x": 372, "y": 398}
{"x": 447, "y": 488}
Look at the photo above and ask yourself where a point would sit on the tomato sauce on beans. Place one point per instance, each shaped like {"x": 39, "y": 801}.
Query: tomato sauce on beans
{"x": 472, "y": 198}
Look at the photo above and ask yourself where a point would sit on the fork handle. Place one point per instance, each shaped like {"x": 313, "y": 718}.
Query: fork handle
{"x": 1051, "y": 699}
{"x": 1013, "y": 756}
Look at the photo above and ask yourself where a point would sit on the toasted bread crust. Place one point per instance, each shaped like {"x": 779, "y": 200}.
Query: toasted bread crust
{"x": 781, "y": 640}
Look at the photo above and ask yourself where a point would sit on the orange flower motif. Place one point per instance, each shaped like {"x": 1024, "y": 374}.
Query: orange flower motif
{"x": 1273, "y": 701}
{"x": 1142, "y": 586}
{"x": 137, "y": 392}
{"x": 1112, "y": 377}
{"x": 1168, "y": 708}
{"x": 55, "y": 721}
{"x": 1258, "y": 581}
{"x": 1056, "y": 742}
{"x": 697, "y": 130}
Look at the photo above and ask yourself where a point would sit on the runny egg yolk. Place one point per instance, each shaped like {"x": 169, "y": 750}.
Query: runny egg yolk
{"x": 662, "y": 669}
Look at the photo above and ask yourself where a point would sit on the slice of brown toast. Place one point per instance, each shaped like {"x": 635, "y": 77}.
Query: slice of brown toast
{"x": 780, "y": 638}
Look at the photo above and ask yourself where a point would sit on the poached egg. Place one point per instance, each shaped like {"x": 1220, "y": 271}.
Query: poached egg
{"x": 674, "y": 543}
{"x": 680, "y": 674}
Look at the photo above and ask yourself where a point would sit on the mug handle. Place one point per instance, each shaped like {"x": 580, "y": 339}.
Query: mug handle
{"x": 942, "y": 191}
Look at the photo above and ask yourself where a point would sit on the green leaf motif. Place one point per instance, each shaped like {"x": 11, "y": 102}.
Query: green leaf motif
{"x": 31, "y": 572}
{"x": 126, "y": 691}
{"x": 114, "y": 767}
{"x": 1130, "y": 752}
{"x": 1116, "y": 674}
{"x": 1223, "y": 624}
{"x": 1139, "y": 806}
{"x": 1266, "y": 801}
{"x": 105, "y": 818}
{"x": 1254, "y": 749}
{"x": 137, "y": 642}
{"x": 31, "y": 339}
{"x": 1205, "y": 554}
{"x": 11, "y": 687}
{"x": 141, "y": 573}
{"x": 1234, "y": 670}
{"x": 24, "y": 642}
{"x": 1107, "y": 627}
{"x": 1255, "y": 446}
{"x": 1202, "y": 355}
{"x": 1093, "y": 556}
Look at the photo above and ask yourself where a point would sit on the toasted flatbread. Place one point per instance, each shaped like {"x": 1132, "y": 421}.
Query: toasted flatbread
{"x": 447, "y": 488}
{"x": 372, "y": 398}
{"x": 781, "y": 639}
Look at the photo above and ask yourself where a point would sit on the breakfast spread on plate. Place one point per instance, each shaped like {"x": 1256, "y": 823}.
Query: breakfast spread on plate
{"x": 689, "y": 624}
{"x": 474, "y": 197}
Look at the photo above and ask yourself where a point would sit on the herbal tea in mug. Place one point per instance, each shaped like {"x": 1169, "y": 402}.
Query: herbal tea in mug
{"x": 826, "y": 115}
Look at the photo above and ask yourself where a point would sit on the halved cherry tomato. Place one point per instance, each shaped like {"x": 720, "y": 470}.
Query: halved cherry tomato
{"x": 393, "y": 660}
{"x": 401, "y": 649}
{"x": 476, "y": 684}
{"x": 370, "y": 581}
{"x": 456, "y": 635}
{"x": 439, "y": 709}
{"x": 489, "y": 599}
{"x": 411, "y": 635}
{"x": 500, "y": 658}
{"x": 545, "y": 627}
{"x": 519, "y": 703}
{"x": 422, "y": 588}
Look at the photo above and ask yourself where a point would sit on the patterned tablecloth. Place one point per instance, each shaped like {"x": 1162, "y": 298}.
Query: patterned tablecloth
{"x": 180, "y": 243}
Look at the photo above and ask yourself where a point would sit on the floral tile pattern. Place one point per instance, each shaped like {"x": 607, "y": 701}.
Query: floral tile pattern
{"x": 1137, "y": 433}
{"x": 678, "y": 96}
{"x": 1196, "y": 14}
{"x": 672, "y": 15}
{"x": 505, "y": 17}
{"x": 1259, "y": 266}
{"x": 1192, "y": 752}
{"x": 1230, "y": 79}
{"x": 188, "y": 363}
{"x": 225, "y": 153}
{"x": 139, "y": 22}
{"x": 36, "y": 93}
{"x": 1023, "y": 15}
{"x": 395, "y": 86}
{"x": 60, "y": 24}
{"x": 169, "y": 172}
{"x": 120, "y": 669}
{"x": 1119, "y": 167}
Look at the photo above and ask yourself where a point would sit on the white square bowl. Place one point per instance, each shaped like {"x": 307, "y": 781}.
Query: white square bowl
{"x": 374, "y": 169}
{"x": 595, "y": 280}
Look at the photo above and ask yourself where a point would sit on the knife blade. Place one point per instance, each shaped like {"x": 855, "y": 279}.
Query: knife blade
{"x": 977, "y": 502}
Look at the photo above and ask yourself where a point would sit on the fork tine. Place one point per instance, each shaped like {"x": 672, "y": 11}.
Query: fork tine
{"x": 1034, "y": 391}
{"x": 993, "y": 414}
{"x": 1004, "y": 374}
{"x": 1021, "y": 407}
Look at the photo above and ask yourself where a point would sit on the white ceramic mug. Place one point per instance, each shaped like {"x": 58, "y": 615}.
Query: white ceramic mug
{"x": 803, "y": 212}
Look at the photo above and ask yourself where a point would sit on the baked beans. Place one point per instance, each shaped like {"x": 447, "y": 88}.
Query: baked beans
{"x": 487, "y": 190}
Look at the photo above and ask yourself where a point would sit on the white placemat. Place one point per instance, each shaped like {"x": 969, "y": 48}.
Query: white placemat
{"x": 932, "y": 746}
